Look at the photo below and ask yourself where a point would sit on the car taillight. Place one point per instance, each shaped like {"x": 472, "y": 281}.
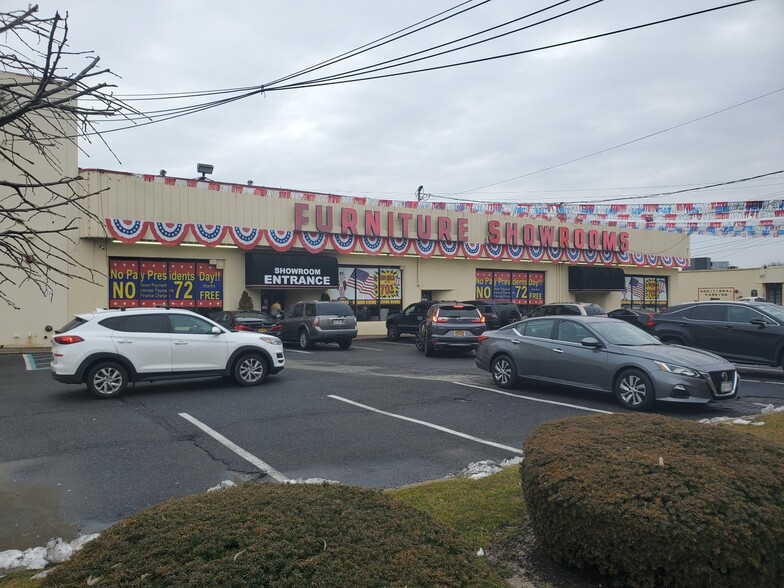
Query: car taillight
{"x": 481, "y": 319}
{"x": 243, "y": 328}
{"x": 276, "y": 328}
{"x": 483, "y": 338}
{"x": 440, "y": 319}
{"x": 68, "y": 339}
{"x": 316, "y": 323}
{"x": 649, "y": 322}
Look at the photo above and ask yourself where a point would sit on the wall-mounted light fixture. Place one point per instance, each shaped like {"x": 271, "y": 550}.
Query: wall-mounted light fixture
{"x": 204, "y": 169}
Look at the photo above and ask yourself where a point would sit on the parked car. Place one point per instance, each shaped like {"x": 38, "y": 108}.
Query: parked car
{"x": 633, "y": 316}
{"x": 603, "y": 354}
{"x": 408, "y": 320}
{"x": 319, "y": 322}
{"x": 450, "y": 325}
{"x": 743, "y": 332}
{"x": 496, "y": 313}
{"x": 752, "y": 299}
{"x": 106, "y": 349}
{"x": 568, "y": 308}
{"x": 254, "y": 321}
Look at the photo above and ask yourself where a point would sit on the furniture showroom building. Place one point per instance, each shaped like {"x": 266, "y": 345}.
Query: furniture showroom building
{"x": 199, "y": 244}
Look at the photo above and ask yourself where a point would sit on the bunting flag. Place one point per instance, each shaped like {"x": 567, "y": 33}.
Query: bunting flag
{"x": 169, "y": 233}
{"x": 132, "y": 231}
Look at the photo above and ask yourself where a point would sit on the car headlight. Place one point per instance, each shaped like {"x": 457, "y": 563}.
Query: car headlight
{"x": 271, "y": 340}
{"x": 677, "y": 369}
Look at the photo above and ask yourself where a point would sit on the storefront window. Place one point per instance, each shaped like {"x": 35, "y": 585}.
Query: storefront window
{"x": 525, "y": 289}
{"x": 645, "y": 293}
{"x": 373, "y": 292}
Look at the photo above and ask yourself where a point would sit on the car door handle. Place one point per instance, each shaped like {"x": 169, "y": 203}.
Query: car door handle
{"x": 124, "y": 341}
{"x": 180, "y": 342}
{"x": 557, "y": 350}
{"x": 515, "y": 341}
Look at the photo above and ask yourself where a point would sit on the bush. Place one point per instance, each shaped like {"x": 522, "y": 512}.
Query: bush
{"x": 654, "y": 501}
{"x": 278, "y": 535}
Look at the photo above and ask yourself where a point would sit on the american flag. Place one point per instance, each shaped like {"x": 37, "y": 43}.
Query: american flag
{"x": 363, "y": 282}
{"x": 636, "y": 288}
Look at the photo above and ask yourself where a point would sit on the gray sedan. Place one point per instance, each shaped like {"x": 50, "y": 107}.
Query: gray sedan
{"x": 608, "y": 355}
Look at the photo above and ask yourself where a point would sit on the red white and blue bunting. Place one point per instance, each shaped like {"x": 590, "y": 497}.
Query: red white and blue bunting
{"x": 169, "y": 233}
{"x": 133, "y": 231}
{"x": 741, "y": 218}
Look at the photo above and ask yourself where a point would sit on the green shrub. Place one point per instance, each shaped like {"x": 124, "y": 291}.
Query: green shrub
{"x": 278, "y": 535}
{"x": 654, "y": 501}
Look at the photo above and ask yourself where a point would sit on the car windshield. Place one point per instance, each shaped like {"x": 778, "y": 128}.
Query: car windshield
{"x": 777, "y": 312}
{"x": 458, "y": 311}
{"x": 334, "y": 308}
{"x": 621, "y": 333}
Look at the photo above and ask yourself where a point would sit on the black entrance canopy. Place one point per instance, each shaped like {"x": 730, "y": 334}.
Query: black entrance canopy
{"x": 596, "y": 279}
{"x": 278, "y": 270}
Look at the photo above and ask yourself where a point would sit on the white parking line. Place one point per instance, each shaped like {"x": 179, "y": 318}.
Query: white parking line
{"x": 533, "y": 399}
{"x": 368, "y": 348}
{"x": 297, "y": 351}
{"x": 426, "y": 424}
{"x": 263, "y": 466}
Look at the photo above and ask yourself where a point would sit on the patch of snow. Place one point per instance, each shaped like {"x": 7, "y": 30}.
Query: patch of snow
{"x": 770, "y": 408}
{"x": 481, "y": 552}
{"x": 732, "y": 421}
{"x": 57, "y": 550}
{"x": 311, "y": 481}
{"x": 222, "y": 486}
{"x": 487, "y": 467}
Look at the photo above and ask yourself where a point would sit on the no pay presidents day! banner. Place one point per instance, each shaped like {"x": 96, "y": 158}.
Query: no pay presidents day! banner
{"x": 142, "y": 282}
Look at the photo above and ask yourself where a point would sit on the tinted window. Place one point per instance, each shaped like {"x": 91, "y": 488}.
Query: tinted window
{"x": 71, "y": 325}
{"x": 622, "y": 333}
{"x": 143, "y": 323}
{"x": 310, "y": 310}
{"x": 593, "y": 309}
{"x": 338, "y": 308}
{"x": 541, "y": 329}
{"x": 458, "y": 311}
{"x": 112, "y": 323}
{"x": 741, "y": 314}
{"x": 572, "y": 332}
{"x": 777, "y": 312}
{"x": 569, "y": 309}
{"x": 707, "y": 312}
{"x": 186, "y": 324}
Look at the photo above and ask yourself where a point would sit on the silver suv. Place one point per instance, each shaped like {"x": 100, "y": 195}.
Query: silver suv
{"x": 107, "y": 349}
{"x": 568, "y": 308}
{"x": 319, "y": 322}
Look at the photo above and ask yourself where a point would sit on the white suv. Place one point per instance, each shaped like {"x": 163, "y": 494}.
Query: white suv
{"x": 106, "y": 349}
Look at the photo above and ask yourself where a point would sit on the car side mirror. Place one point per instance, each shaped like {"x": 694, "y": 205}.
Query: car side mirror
{"x": 216, "y": 330}
{"x": 590, "y": 342}
{"x": 758, "y": 321}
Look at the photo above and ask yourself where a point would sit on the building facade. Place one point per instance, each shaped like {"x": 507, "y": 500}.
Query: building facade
{"x": 199, "y": 244}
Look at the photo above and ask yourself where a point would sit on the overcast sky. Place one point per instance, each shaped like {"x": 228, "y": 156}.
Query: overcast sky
{"x": 482, "y": 131}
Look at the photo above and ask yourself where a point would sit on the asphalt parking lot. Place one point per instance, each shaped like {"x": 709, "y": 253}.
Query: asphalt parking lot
{"x": 378, "y": 415}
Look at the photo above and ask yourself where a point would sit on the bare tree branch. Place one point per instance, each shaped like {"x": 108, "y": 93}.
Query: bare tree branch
{"x": 41, "y": 204}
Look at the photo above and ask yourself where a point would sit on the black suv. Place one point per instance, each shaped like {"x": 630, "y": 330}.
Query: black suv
{"x": 573, "y": 308}
{"x": 743, "y": 332}
{"x": 497, "y": 314}
{"x": 319, "y": 322}
{"x": 450, "y": 325}
{"x": 407, "y": 321}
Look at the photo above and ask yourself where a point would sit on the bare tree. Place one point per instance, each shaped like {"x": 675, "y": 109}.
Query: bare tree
{"x": 45, "y": 106}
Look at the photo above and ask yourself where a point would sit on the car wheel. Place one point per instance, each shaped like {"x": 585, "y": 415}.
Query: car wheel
{"x": 504, "y": 372}
{"x": 107, "y": 380}
{"x": 304, "y": 340}
{"x": 419, "y": 345}
{"x": 429, "y": 348}
{"x": 634, "y": 390}
{"x": 344, "y": 343}
{"x": 250, "y": 369}
{"x": 393, "y": 333}
{"x": 513, "y": 317}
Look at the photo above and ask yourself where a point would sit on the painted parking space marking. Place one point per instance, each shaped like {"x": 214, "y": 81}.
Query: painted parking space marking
{"x": 368, "y": 348}
{"x": 36, "y": 361}
{"x": 249, "y": 457}
{"x": 577, "y": 406}
{"x": 426, "y": 424}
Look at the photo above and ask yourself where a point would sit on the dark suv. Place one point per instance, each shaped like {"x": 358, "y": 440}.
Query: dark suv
{"x": 407, "y": 321}
{"x": 319, "y": 322}
{"x": 450, "y": 325}
{"x": 743, "y": 332}
{"x": 573, "y": 308}
{"x": 497, "y": 314}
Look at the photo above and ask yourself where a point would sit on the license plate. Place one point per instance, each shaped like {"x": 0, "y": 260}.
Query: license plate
{"x": 338, "y": 322}
{"x": 459, "y": 333}
{"x": 262, "y": 329}
{"x": 726, "y": 386}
